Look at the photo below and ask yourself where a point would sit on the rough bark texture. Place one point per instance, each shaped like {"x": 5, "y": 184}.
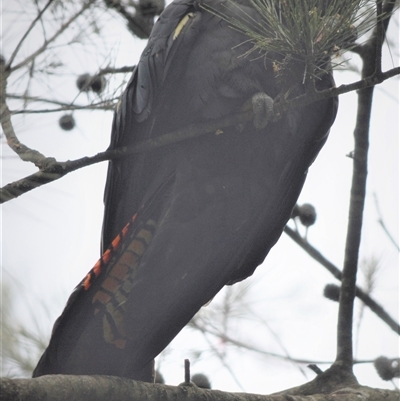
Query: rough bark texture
{"x": 107, "y": 388}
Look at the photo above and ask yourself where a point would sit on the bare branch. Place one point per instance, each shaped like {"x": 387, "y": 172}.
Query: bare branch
{"x": 315, "y": 254}
{"x": 90, "y": 388}
{"x": 54, "y": 170}
{"x": 310, "y": 97}
{"x": 371, "y": 58}
{"x": 48, "y": 174}
{"x": 53, "y": 38}
{"x": 110, "y": 70}
{"x": 25, "y": 153}
{"x": 96, "y": 106}
{"x": 207, "y": 329}
{"x": 383, "y": 225}
{"x": 39, "y": 16}
{"x": 108, "y": 104}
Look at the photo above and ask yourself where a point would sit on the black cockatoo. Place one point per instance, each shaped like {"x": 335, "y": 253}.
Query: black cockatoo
{"x": 186, "y": 219}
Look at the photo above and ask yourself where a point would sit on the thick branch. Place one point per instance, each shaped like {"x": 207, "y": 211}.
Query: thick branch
{"x": 371, "y": 57}
{"x": 13, "y": 142}
{"x": 97, "y": 388}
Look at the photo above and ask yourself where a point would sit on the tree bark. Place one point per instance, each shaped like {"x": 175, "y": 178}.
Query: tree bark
{"x": 91, "y": 388}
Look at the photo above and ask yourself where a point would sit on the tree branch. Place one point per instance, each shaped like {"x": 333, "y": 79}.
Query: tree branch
{"x": 55, "y": 170}
{"x": 97, "y": 388}
{"x": 206, "y": 329}
{"x": 108, "y": 104}
{"x": 110, "y": 70}
{"x": 141, "y": 22}
{"x": 383, "y": 225}
{"x": 371, "y": 58}
{"x": 52, "y": 170}
{"x": 304, "y": 100}
{"x": 39, "y": 16}
{"x": 96, "y": 106}
{"x": 315, "y": 254}
{"x": 25, "y": 153}
{"x": 46, "y": 43}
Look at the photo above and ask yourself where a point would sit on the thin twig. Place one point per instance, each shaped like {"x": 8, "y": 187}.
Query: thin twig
{"x": 52, "y": 170}
{"x": 24, "y": 152}
{"x": 205, "y": 329}
{"x": 99, "y": 106}
{"x": 108, "y": 104}
{"x": 309, "y": 98}
{"x": 53, "y": 38}
{"x": 110, "y": 70}
{"x": 383, "y": 225}
{"x": 39, "y": 16}
{"x": 187, "y": 371}
{"x": 379, "y": 33}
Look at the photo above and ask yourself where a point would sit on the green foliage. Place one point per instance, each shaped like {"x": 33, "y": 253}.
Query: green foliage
{"x": 304, "y": 31}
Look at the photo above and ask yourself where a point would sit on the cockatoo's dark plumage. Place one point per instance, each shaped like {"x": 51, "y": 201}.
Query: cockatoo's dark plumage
{"x": 201, "y": 213}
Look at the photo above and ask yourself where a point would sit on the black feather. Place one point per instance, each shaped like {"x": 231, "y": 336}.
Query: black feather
{"x": 219, "y": 202}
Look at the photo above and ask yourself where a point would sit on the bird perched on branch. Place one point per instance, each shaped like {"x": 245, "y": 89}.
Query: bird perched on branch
{"x": 185, "y": 219}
